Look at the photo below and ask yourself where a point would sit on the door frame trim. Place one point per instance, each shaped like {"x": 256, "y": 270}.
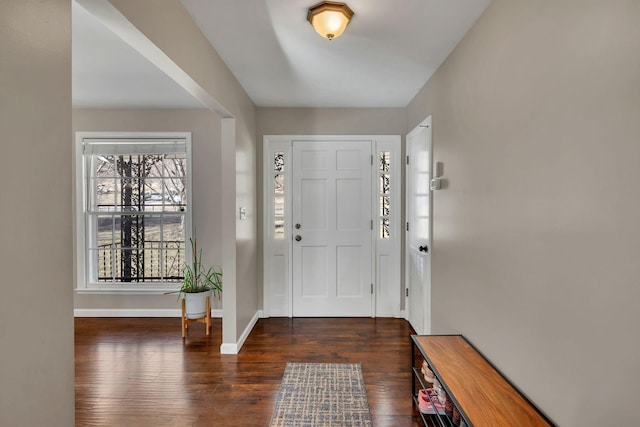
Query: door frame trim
{"x": 277, "y": 290}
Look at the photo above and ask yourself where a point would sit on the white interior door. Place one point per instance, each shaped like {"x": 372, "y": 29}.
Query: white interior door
{"x": 331, "y": 228}
{"x": 418, "y": 251}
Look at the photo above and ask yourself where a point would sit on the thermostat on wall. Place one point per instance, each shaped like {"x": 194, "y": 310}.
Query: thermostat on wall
{"x": 437, "y": 169}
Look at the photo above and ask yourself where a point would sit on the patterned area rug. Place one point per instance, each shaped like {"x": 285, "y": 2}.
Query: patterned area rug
{"x": 322, "y": 394}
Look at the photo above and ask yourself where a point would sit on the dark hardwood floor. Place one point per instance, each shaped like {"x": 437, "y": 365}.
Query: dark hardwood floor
{"x": 140, "y": 372}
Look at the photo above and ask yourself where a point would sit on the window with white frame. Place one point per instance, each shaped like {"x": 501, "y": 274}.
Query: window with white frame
{"x": 136, "y": 210}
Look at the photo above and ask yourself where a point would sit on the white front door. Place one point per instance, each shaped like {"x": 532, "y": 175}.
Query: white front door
{"x": 331, "y": 228}
{"x": 418, "y": 240}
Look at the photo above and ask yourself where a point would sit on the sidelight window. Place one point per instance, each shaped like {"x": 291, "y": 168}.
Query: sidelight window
{"x": 384, "y": 177}
{"x": 278, "y": 195}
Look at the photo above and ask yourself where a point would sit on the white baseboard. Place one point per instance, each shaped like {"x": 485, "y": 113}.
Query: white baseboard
{"x": 229, "y": 348}
{"x": 117, "y": 312}
{"x": 402, "y": 315}
{"x": 234, "y": 348}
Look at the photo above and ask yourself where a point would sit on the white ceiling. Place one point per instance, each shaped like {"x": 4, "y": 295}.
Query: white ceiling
{"x": 388, "y": 52}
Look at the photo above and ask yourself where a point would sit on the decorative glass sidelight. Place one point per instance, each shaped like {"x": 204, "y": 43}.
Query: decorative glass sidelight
{"x": 278, "y": 195}
{"x": 385, "y": 161}
{"x": 384, "y": 222}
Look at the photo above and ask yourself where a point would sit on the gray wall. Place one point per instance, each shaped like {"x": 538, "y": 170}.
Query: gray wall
{"x": 171, "y": 28}
{"x": 324, "y": 121}
{"x": 36, "y": 306}
{"x": 207, "y": 221}
{"x": 536, "y": 117}
{"x": 330, "y": 121}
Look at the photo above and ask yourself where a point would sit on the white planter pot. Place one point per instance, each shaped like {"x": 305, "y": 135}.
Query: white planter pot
{"x": 196, "y": 304}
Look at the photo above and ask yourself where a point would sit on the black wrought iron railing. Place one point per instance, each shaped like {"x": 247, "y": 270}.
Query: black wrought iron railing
{"x": 157, "y": 261}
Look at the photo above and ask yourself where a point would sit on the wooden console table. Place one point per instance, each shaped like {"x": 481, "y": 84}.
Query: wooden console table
{"x": 481, "y": 395}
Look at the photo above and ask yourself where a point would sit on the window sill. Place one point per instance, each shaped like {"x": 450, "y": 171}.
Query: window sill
{"x": 125, "y": 291}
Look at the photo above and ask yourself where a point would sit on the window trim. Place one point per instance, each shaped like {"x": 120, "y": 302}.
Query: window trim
{"x": 83, "y": 286}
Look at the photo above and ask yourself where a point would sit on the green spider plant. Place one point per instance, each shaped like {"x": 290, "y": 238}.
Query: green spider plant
{"x": 198, "y": 278}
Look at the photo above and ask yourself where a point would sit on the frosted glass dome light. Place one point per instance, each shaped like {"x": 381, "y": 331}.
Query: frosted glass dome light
{"x": 329, "y": 18}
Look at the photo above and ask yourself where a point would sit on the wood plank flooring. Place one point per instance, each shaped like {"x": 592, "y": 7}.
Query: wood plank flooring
{"x": 140, "y": 372}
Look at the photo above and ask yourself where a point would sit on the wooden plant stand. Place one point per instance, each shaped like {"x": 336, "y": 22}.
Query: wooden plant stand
{"x": 206, "y": 319}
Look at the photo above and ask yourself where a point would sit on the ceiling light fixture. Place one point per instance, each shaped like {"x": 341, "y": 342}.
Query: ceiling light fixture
{"x": 330, "y": 18}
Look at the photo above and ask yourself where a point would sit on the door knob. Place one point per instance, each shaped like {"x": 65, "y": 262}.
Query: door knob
{"x": 424, "y": 248}
{"x": 298, "y": 238}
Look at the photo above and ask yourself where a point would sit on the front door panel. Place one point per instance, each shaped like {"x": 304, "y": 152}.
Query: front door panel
{"x": 331, "y": 218}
